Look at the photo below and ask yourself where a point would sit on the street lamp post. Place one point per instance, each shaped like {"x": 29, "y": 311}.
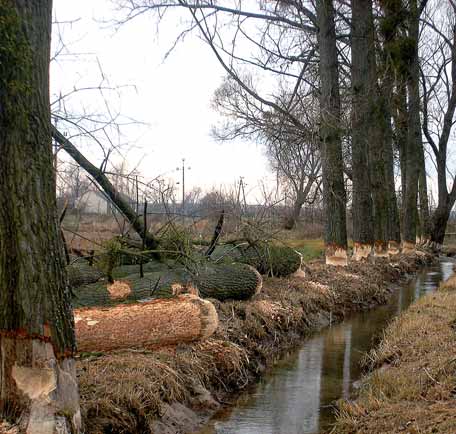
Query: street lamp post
{"x": 183, "y": 187}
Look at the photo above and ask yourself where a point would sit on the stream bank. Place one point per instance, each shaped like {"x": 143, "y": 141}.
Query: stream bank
{"x": 412, "y": 384}
{"x": 175, "y": 390}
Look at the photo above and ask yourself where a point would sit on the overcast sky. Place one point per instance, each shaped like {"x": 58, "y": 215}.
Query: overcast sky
{"x": 171, "y": 96}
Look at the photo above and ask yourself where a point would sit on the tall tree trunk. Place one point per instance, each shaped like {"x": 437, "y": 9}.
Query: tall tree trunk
{"x": 424, "y": 216}
{"x": 293, "y": 217}
{"x": 38, "y": 385}
{"x": 362, "y": 110}
{"x": 413, "y": 135}
{"x": 439, "y": 223}
{"x": 334, "y": 196}
{"x": 388, "y": 30}
{"x": 393, "y": 221}
{"x": 401, "y": 128}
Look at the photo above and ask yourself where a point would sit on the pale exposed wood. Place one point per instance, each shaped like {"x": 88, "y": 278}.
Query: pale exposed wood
{"x": 145, "y": 325}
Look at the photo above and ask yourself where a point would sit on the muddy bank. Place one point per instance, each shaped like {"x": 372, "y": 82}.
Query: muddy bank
{"x": 173, "y": 390}
{"x": 412, "y": 384}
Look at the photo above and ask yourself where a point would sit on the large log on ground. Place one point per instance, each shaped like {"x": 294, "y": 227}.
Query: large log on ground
{"x": 268, "y": 259}
{"x": 81, "y": 273}
{"x": 228, "y": 281}
{"x": 219, "y": 281}
{"x": 129, "y": 289}
{"x": 151, "y": 324}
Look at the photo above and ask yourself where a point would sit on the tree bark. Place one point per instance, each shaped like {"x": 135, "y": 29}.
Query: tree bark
{"x": 334, "y": 195}
{"x": 38, "y": 385}
{"x": 362, "y": 111}
{"x": 130, "y": 214}
{"x": 151, "y": 324}
{"x": 228, "y": 282}
{"x": 413, "y": 135}
{"x": 388, "y": 30}
{"x": 424, "y": 216}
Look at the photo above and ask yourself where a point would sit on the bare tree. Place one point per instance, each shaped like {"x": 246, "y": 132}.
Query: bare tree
{"x": 293, "y": 152}
{"x": 438, "y": 79}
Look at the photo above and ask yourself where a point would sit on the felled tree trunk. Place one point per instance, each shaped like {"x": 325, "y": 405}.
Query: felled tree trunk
{"x": 38, "y": 383}
{"x": 219, "y": 281}
{"x": 129, "y": 213}
{"x": 228, "y": 281}
{"x": 82, "y": 273}
{"x": 268, "y": 259}
{"x": 155, "y": 323}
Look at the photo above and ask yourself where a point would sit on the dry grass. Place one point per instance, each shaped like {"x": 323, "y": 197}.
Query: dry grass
{"x": 124, "y": 392}
{"x": 413, "y": 388}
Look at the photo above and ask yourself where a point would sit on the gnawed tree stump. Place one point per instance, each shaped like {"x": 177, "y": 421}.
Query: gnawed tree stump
{"x": 228, "y": 281}
{"x": 151, "y": 324}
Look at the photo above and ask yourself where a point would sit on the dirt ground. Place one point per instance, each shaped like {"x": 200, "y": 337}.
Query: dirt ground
{"x": 173, "y": 390}
{"x": 412, "y": 388}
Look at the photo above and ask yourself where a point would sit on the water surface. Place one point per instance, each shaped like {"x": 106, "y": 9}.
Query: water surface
{"x": 298, "y": 395}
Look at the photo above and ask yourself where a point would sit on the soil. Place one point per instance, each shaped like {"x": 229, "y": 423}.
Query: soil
{"x": 174, "y": 390}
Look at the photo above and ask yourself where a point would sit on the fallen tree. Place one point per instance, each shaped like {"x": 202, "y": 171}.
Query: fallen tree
{"x": 219, "y": 281}
{"x": 81, "y": 273}
{"x": 267, "y": 258}
{"x": 152, "y": 324}
{"x": 228, "y": 281}
{"x": 150, "y": 241}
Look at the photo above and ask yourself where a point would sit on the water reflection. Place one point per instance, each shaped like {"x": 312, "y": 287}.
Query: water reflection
{"x": 298, "y": 396}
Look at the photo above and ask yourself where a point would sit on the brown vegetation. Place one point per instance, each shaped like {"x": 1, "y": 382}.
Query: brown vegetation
{"x": 413, "y": 387}
{"x": 137, "y": 390}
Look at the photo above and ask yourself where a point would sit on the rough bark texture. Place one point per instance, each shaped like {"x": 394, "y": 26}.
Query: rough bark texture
{"x": 37, "y": 376}
{"x": 362, "y": 110}
{"x": 81, "y": 273}
{"x": 334, "y": 196}
{"x": 424, "y": 216}
{"x": 268, "y": 259}
{"x": 388, "y": 32}
{"x": 219, "y": 281}
{"x": 229, "y": 281}
{"x": 413, "y": 133}
{"x": 145, "y": 325}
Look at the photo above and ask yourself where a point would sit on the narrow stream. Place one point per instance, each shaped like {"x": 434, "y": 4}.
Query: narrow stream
{"x": 298, "y": 395}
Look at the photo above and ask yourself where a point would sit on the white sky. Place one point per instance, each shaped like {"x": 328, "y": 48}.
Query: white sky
{"x": 172, "y": 97}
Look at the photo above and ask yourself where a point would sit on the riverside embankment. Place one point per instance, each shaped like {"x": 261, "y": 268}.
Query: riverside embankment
{"x": 176, "y": 389}
{"x": 411, "y": 387}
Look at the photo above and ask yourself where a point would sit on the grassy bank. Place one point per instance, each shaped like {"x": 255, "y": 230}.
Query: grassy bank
{"x": 172, "y": 390}
{"x": 412, "y": 388}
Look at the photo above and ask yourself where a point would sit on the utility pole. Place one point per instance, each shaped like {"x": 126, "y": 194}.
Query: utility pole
{"x": 183, "y": 187}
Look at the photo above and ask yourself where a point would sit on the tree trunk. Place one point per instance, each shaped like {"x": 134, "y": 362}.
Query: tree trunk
{"x": 129, "y": 213}
{"x": 388, "y": 30}
{"x": 38, "y": 385}
{"x": 439, "y": 223}
{"x": 401, "y": 130}
{"x": 362, "y": 110}
{"x": 413, "y": 136}
{"x": 424, "y": 216}
{"x": 228, "y": 282}
{"x": 293, "y": 217}
{"x": 334, "y": 196}
{"x": 151, "y": 324}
